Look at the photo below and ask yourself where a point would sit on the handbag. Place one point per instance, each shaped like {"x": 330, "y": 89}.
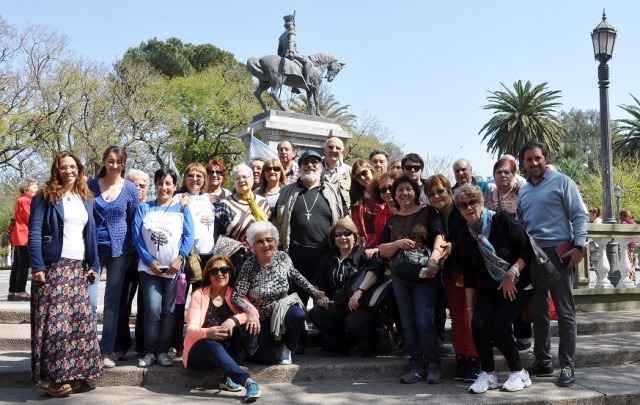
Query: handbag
{"x": 376, "y": 295}
{"x": 193, "y": 267}
{"x": 408, "y": 263}
{"x": 543, "y": 271}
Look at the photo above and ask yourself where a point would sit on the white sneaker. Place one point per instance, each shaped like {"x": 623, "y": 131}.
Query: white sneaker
{"x": 164, "y": 360}
{"x": 518, "y": 380}
{"x": 107, "y": 362}
{"x": 285, "y": 356}
{"x": 148, "y": 360}
{"x": 483, "y": 383}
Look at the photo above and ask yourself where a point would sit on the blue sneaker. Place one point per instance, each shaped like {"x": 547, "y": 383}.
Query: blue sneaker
{"x": 253, "y": 392}
{"x": 229, "y": 385}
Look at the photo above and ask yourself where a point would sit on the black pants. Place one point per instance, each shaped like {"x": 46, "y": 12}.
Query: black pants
{"x": 305, "y": 261}
{"x": 19, "y": 269}
{"x": 334, "y": 323}
{"x": 491, "y": 324}
{"x": 123, "y": 332}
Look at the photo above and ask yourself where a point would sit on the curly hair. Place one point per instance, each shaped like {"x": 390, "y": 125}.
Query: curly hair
{"x": 53, "y": 190}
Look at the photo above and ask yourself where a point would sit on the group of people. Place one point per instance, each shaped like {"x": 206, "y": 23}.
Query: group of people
{"x": 288, "y": 231}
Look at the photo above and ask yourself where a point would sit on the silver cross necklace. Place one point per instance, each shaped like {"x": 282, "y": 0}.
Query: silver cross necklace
{"x": 308, "y": 214}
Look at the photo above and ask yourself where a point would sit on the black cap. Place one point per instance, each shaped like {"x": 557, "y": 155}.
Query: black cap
{"x": 309, "y": 153}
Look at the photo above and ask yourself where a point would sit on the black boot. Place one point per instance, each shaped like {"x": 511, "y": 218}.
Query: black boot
{"x": 461, "y": 367}
{"x": 473, "y": 369}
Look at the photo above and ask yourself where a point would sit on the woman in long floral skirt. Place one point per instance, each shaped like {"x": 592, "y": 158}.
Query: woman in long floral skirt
{"x": 62, "y": 247}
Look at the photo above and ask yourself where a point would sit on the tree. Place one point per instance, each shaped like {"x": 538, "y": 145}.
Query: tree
{"x": 626, "y": 141}
{"x": 582, "y": 139}
{"x": 523, "y": 114}
{"x": 329, "y": 107}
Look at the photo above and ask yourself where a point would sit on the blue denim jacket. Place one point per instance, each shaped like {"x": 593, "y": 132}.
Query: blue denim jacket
{"x": 46, "y": 224}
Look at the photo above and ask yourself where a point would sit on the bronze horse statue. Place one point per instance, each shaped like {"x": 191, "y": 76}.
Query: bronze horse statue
{"x": 273, "y": 71}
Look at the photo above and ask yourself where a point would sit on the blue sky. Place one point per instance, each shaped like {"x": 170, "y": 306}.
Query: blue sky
{"x": 422, "y": 68}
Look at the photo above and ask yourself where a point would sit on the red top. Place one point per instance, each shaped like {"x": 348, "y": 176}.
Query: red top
{"x": 20, "y": 234}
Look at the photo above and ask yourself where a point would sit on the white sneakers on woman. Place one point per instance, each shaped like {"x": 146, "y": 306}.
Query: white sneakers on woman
{"x": 517, "y": 381}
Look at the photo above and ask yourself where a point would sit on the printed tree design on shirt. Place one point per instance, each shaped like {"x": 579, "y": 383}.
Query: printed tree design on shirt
{"x": 160, "y": 237}
{"x": 206, "y": 220}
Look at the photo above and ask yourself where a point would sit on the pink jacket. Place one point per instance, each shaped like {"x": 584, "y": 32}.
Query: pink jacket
{"x": 197, "y": 313}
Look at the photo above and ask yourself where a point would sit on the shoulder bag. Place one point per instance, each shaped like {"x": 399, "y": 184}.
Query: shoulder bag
{"x": 543, "y": 271}
{"x": 408, "y": 263}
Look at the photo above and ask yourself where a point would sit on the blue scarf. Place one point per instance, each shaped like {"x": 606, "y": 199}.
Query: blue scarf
{"x": 480, "y": 230}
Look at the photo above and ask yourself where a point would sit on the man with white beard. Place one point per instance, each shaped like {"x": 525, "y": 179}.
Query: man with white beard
{"x": 305, "y": 211}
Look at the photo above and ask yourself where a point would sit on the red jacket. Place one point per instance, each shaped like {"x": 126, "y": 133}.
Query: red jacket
{"x": 20, "y": 234}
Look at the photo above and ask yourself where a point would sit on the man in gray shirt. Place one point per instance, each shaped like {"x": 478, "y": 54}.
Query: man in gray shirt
{"x": 550, "y": 208}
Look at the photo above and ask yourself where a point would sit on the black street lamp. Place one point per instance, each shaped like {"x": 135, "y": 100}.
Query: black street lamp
{"x": 604, "y": 37}
{"x": 618, "y": 193}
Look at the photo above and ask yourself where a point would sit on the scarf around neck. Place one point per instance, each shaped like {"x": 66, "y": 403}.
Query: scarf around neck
{"x": 256, "y": 211}
{"x": 480, "y": 231}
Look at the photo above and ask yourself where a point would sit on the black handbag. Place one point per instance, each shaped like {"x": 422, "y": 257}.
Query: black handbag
{"x": 376, "y": 295}
{"x": 543, "y": 271}
{"x": 408, "y": 263}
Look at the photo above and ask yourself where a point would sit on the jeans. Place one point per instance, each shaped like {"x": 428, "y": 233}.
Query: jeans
{"x": 206, "y": 354}
{"x": 159, "y": 295}
{"x": 116, "y": 271}
{"x": 417, "y": 304}
{"x": 294, "y": 322}
{"x": 123, "y": 331}
{"x": 19, "y": 269}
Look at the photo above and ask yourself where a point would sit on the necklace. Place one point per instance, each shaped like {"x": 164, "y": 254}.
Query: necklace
{"x": 308, "y": 214}
{"x": 160, "y": 205}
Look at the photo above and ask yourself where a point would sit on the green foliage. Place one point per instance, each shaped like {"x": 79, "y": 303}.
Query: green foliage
{"x": 626, "y": 141}
{"x": 523, "y": 114}
{"x": 582, "y": 139}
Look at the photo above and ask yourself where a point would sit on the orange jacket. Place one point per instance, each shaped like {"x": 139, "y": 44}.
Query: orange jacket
{"x": 20, "y": 233}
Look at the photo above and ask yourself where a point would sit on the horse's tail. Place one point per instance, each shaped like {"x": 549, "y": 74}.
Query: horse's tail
{"x": 254, "y": 67}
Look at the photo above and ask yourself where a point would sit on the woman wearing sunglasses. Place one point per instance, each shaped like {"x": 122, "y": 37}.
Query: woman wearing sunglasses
{"x": 216, "y": 177}
{"x": 493, "y": 250}
{"x": 216, "y": 335}
{"x": 272, "y": 179}
{"x": 364, "y": 206}
{"x": 339, "y": 312}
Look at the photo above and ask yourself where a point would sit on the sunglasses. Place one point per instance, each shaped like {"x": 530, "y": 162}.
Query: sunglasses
{"x": 471, "y": 204}
{"x": 310, "y": 162}
{"x": 344, "y": 233}
{"x": 362, "y": 174}
{"x": 415, "y": 168}
{"x": 439, "y": 192}
{"x": 385, "y": 190}
{"x": 218, "y": 172}
{"x": 272, "y": 169}
{"x": 214, "y": 271}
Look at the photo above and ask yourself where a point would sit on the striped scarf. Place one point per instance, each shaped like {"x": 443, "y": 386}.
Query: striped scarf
{"x": 480, "y": 230}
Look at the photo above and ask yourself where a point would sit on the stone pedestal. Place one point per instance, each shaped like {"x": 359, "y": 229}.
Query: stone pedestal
{"x": 304, "y": 131}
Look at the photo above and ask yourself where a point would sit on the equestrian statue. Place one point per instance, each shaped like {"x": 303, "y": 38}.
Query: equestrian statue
{"x": 292, "y": 69}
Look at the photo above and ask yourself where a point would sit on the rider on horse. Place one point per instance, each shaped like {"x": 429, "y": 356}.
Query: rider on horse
{"x": 287, "y": 48}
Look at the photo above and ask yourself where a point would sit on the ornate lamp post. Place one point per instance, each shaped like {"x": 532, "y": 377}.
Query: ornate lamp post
{"x": 604, "y": 37}
{"x": 618, "y": 193}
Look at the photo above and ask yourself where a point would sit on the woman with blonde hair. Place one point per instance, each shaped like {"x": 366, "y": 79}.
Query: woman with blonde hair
{"x": 365, "y": 207}
{"x": 272, "y": 179}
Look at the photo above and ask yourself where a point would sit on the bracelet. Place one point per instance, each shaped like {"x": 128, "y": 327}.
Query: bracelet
{"x": 360, "y": 289}
{"x": 235, "y": 320}
{"x": 470, "y": 309}
{"x": 514, "y": 268}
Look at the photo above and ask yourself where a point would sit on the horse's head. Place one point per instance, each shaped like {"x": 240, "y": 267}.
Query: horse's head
{"x": 333, "y": 69}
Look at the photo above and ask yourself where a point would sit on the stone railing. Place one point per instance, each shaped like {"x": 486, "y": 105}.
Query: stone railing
{"x": 597, "y": 276}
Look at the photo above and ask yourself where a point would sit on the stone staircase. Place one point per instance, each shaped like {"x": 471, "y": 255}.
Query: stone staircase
{"x": 608, "y": 357}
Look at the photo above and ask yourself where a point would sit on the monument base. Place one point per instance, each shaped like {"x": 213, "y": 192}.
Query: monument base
{"x": 304, "y": 131}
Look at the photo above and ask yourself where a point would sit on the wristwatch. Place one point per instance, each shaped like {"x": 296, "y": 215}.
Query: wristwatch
{"x": 580, "y": 248}
{"x": 182, "y": 257}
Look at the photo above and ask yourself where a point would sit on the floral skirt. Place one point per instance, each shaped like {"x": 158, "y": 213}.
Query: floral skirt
{"x": 64, "y": 344}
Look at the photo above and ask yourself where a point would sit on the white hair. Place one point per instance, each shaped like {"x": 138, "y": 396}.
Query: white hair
{"x": 261, "y": 227}
{"x": 135, "y": 174}
{"x": 240, "y": 169}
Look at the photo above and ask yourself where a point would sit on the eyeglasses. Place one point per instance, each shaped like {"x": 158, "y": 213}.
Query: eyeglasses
{"x": 275, "y": 169}
{"x": 471, "y": 204}
{"x": 440, "y": 192}
{"x": 265, "y": 241}
{"x": 312, "y": 162}
{"x": 344, "y": 233}
{"x": 214, "y": 271}
{"x": 68, "y": 168}
{"x": 415, "y": 168}
{"x": 141, "y": 186}
{"x": 363, "y": 173}
{"x": 194, "y": 176}
{"x": 385, "y": 190}
{"x": 218, "y": 172}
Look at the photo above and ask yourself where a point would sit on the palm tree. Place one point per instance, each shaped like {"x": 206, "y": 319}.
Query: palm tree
{"x": 523, "y": 114}
{"x": 626, "y": 142}
{"x": 329, "y": 108}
